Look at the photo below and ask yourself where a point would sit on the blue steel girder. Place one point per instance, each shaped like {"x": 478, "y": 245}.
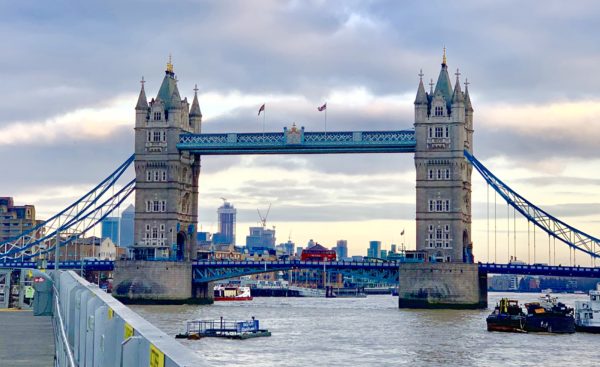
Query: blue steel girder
{"x": 88, "y": 265}
{"x": 538, "y": 269}
{"x": 71, "y": 222}
{"x": 379, "y": 276}
{"x": 554, "y": 227}
{"x": 297, "y": 141}
{"x": 209, "y": 271}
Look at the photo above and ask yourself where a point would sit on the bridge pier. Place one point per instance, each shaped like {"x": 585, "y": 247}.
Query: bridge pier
{"x": 442, "y": 285}
{"x": 156, "y": 282}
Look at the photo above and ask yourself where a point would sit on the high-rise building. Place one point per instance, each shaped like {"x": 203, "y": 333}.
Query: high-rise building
{"x": 260, "y": 238}
{"x": 444, "y": 130}
{"x": 393, "y": 248}
{"x": 374, "y": 249}
{"x": 15, "y": 220}
{"x": 287, "y": 248}
{"x": 299, "y": 250}
{"x": 226, "y": 234}
{"x": 110, "y": 229}
{"x": 126, "y": 230}
{"x": 341, "y": 249}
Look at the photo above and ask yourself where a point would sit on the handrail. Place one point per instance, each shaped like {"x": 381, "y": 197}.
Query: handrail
{"x": 66, "y": 345}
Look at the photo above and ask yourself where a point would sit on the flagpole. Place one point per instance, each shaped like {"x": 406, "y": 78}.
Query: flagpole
{"x": 264, "y": 118}
{"x": 325, "y": 121}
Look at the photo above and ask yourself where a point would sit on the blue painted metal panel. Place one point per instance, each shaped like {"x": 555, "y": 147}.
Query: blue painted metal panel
{"x": 297, "y": 141}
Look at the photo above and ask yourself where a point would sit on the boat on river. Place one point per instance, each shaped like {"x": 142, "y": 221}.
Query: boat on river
{"x": 507, "y": 316}
{"x": 196, "y": 329}
{"x": 549, "y": 315}
{"x": 587, "y": 313}
{"x": 232, "y": 292}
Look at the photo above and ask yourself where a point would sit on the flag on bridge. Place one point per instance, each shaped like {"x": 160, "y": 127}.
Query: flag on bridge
{"x": 261, "y": 109}
{"x": 323, "y": 107}
{"x": 402, "y": 233}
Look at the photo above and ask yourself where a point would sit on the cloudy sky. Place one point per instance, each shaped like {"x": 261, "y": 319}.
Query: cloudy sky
{"x": 69, "y": 80}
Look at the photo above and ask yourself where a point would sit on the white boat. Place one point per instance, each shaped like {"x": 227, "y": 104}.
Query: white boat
{"x": 587, "y": 313}
{"x": 231, "y": 292}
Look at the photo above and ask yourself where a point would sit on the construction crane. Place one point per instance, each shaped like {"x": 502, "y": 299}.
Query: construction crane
{"x": 263, "y": 220}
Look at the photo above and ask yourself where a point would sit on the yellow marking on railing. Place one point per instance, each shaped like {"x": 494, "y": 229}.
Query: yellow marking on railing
{"x": 157, "y": 358}
{"x": 128, "y": 331}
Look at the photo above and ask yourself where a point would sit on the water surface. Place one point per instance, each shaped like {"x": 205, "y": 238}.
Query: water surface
{"x": 372, "y": 331}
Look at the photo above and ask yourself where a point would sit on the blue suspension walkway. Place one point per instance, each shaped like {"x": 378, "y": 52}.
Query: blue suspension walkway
{"x": 554, "y": 227}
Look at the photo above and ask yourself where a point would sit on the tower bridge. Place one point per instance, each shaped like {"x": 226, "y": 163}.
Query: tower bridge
{"x": 169, "y": 146}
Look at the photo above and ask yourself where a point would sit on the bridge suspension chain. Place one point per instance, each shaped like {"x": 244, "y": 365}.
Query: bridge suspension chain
{"x": 71, "y": 221}
{"x": 574, "y": 238}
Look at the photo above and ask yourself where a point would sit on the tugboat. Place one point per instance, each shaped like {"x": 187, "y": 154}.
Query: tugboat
{"x": 585, "y": 311}
{"x": 550, "y": 316}
{"x": 507, "y": 316}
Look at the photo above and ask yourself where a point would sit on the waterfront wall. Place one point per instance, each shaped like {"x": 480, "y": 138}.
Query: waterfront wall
{"x": 441, "y": 285}
{"x": 101, "y": 331}
{"x": 153, "y": 281}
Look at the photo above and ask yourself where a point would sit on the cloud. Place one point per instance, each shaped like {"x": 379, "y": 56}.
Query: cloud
{"x": 71, "y": 78}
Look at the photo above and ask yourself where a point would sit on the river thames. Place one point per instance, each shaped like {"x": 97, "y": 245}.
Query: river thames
{"x": 372, "y": 331}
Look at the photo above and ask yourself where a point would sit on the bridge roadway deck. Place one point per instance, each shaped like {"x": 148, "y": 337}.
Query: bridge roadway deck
{"x": 490, "y": 268}
{"x": 25, "y": 340}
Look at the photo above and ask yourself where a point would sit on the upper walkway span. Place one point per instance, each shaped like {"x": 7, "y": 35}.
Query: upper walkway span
{"x": 297, "y": 141}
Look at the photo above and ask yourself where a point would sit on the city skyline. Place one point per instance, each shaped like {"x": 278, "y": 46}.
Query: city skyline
{"x": 534, "y": 91}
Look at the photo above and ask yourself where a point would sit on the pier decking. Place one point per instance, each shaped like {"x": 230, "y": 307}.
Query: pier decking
{"x": 26, "y": 340}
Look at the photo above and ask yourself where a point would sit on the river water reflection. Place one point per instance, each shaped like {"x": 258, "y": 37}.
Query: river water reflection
{"x": 372, "y": 331}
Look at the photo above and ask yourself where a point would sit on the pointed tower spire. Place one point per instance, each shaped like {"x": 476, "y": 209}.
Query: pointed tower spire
{"x": 468, "y": 105}
{"x": 195, "y": 110}
{"x": 421, "y": 95}
{"x": 444, "y": 85}
{"x": 142, "y": 103}
{"x": 457, "y": 96}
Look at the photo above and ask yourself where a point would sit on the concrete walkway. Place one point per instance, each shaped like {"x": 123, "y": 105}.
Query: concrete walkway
{"x": 25, "y": 340}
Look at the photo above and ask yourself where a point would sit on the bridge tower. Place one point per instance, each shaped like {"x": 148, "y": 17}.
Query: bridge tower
{"x": 166, "y": 195}
{"x": 443, "y": 129}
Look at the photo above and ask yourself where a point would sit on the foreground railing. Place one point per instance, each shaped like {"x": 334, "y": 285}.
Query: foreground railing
{"x": 98, "y": 330}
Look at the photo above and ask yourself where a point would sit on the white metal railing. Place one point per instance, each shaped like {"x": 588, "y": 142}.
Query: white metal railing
{"x": 94, "y": 329}
{"x": 64, "y": 354}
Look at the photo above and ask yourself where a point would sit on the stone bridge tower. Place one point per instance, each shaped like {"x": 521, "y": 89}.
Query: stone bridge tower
{"x": 443, "y": 130}
{"x": 166, "y": 195}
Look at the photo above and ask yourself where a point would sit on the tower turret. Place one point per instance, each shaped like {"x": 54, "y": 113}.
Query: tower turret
{"x": 421, "y": 100}
{"x": 195, "y": 113}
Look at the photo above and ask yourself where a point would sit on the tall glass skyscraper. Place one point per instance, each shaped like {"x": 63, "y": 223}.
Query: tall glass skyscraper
{"x": 226, "y": 235}
{"x": 110, "y": 229}
{"x": 341, "y": 249}
{"x": 127, "y": 219}
{"x": 374, "y": 249}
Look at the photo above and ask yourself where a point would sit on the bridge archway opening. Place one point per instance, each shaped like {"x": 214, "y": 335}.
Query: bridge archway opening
{"x": 181, "y": 242}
